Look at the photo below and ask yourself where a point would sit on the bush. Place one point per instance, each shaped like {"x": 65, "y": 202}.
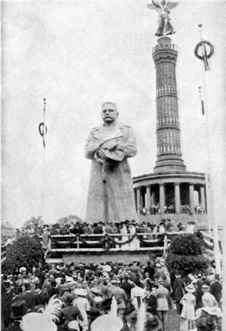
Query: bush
{"x": 186, "y": 244}
{"x": 25, "y": 252}
{"x": 185, "y": 255}
{"x": 186, "y": 264}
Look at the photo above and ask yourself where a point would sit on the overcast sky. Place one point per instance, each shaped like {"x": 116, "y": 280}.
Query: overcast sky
{"x": 79, "y": 54}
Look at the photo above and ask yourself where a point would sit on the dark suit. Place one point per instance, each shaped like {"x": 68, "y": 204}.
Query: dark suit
{"x": 216, "y": 290}
{"x": 98, "y": 230}
{"x": 41, "y": 299}
{"x": 6, "y": 307}
{"x": 178, "y": 291}
{"x": 15, "y": 327}
{"x": 150, "y": 270}
{"x": 71, "y": 313}
{"x": 30, "y": 299}
{"x": 126, "y": 286}
{"x": 125, "y": 327}
{"x": 152, "y": 304}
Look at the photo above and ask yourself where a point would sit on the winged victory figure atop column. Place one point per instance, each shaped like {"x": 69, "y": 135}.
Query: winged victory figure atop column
{"x": 163, "y": 8}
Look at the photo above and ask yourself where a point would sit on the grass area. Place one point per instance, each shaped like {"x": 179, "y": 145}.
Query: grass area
{"x": 172, "y": 320}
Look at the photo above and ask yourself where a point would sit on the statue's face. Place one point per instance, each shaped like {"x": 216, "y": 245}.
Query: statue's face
{"x": 109, "y": 113}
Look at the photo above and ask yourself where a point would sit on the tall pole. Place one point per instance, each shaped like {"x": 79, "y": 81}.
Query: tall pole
{"x": 212, "y": 220}
{"x": 43, "y": 131}
{"x": 224, "y": 279}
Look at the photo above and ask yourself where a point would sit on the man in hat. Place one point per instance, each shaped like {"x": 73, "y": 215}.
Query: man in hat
{"x": 161, "y": 295}
{"x": 29, "y": 297}
{"x": 70, "y": 313}
{"x": 178, "y": 291}
{"x": 216, "y": 289}
{"x": 110, "y": 192}
{"x": 130, "y": 321}
{"x": 19, "y": 309}
{"x": 149, "y": 269}
{"x": 83, "y": 305}
{"x": 127, "y": 286}
{"x": 7, "y": 298}
{"x": 120, "y": 296}
{"x": 208, "y": 300}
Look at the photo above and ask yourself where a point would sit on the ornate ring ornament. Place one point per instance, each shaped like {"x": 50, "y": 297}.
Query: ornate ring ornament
{"x": 41, "y": 129}
{"x": 209, "y": 50}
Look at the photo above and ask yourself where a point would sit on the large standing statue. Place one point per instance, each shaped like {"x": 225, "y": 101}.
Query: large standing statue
{"x": 110, "y": 195}
{"x": 163, "y": 8}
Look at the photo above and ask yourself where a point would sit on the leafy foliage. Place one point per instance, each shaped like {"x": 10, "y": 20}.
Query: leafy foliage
{"x": 25, "y": 252}
{"x": 71, "y": 219}
{"x": 33, "y": 222}
{"x": 185, "y": 255}
{"x": 186, "y": 264}
{"x": 186, "y": 244}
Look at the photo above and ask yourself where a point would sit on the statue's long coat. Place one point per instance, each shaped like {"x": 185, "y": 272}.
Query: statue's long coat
{"x": 117, "y": 192}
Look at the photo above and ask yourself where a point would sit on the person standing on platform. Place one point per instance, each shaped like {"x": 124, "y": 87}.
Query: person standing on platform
{"x": 110, "y": 194}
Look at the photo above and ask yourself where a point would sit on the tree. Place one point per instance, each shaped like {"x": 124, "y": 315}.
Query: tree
{"x": 185, "y": 255}
{"x": 33, "y": 222}
{"x": 24, "y": 252}
{"x": 71, "y": 219}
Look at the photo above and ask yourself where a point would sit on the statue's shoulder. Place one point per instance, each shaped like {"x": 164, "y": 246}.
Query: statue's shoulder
{"x": 97, "y": 128}
{"x": 124, "y": 126}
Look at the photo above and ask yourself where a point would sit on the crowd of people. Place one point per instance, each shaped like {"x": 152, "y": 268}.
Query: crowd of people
{"x": 170, "y": 209}
{"x": 84, "y": 228}
{"x": 86, "y": 296}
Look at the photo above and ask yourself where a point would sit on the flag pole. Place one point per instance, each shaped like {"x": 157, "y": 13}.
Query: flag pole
{"x": 43, "y": 131}
{"x": 212, "y": 220}
{"x": 44, "y": 161}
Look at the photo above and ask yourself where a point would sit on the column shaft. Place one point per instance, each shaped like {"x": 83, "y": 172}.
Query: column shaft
{"x": 177, "y": 197}
{"x": 191, "y": 197}
{"x": 203, "y": 201}
{"x": 148, "y": 198}
{"x": 162, "y": 196}
{"x": 138, "y": 199}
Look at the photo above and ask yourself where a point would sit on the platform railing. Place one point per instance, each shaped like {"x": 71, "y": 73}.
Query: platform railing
{"x": 112, "y": 242}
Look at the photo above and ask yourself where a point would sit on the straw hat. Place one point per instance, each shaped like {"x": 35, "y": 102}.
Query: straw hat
{"x": 73, "y": 325}
{"x": 107, "y": 322}
{"x": 22, "y": 269}
{"x": 115, "y": 280}
{"x": 107, "y": 268}
{"x": 190, "y": 288}
{"x": 216, "y": 311}
{"x": 37, "y": 322}
{"x": 95, "y": 290}
{"x": 80, "y": 292}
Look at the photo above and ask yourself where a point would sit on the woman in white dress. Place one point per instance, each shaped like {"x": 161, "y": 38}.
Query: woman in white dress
{"x": 124, "y": 233}
{"x": 188, "y": 311}
{"x": 135, "y": 243}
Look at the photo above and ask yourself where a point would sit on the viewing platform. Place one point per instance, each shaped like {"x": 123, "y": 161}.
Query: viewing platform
{"x": 114, "y": 247}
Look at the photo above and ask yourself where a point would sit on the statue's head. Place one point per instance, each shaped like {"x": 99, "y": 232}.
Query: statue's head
{"x": 109, "y": 112}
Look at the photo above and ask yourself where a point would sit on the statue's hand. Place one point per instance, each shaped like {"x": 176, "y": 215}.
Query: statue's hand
{"x": 101, "y": 154}
{"x": 110, "y": 145}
